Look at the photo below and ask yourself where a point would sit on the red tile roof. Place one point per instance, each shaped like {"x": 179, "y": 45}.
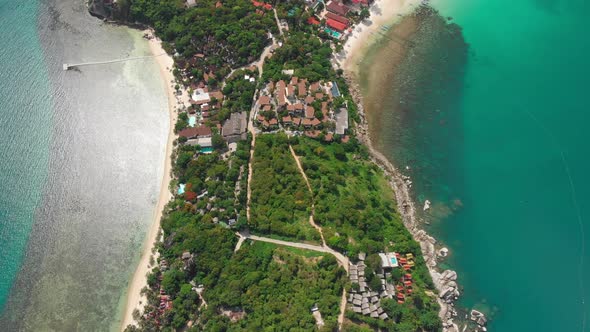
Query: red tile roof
{"x": 336, "y": 25}
{"x": 338, "y": 18}
{"x": 281, "y": 92}
{"x": 313, "y": 20}
{"x": 309, "y": 112}
{"x": 264, "y": 100}
{"x": 262, "y": 4}
{"x": 314, "y": 87}
{"x": 301, "y": 90}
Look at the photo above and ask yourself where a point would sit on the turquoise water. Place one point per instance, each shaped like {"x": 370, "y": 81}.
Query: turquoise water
{"x": 71, "y": 145}
{"x": 499, "y": 143}
{"x": 207, "y": 150}
{"x": 520, "y": 237}
{"x": 24, "y": 134}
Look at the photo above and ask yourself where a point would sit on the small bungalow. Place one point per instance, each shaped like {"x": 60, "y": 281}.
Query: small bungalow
{"x": 264, "y": 100}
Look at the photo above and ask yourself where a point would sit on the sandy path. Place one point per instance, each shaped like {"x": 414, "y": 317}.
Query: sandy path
{"x": 311, "y": 220}
{"x": 134, "y": 299}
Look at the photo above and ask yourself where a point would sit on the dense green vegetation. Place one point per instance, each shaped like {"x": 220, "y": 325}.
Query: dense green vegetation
{"x": 276, "y": 288}
{"x": 308, "y": 55}
{"x": 280, "y": 202}
{"x": 356, "y": 208}
{"x": 238, "y": 92}
{"x": 230, "y": 35}
{"x": 263, "y": 287}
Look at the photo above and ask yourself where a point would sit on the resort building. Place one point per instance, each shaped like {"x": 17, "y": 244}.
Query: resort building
{"x": 341, "y": 121}
{"x": 338, "y": 8}
{"x": 388, "y": 260}
{"x": 200, "y": 96}
{"x": 234, "y": 128}
{"x": 195, "y": 132}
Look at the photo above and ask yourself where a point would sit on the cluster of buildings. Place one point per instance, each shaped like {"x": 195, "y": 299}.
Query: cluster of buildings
{"x": 364, "y": 300}
{"x": 205, "y": 102}
{"x": 302, "y": 106}
{"x": 367, "y": 301}
{"x": 335, "y": 15}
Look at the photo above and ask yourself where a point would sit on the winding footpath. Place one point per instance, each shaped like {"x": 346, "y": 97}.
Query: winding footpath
{"x": 311, "y": 217}
{"x": 316, "y": 226}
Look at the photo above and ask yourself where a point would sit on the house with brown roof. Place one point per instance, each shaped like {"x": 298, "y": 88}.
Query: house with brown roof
{"x": 314, "y": 87}
{"x": 309, "y": 112}
{"x": 338, "y": 18}
{"x": 301, "y": 89}
{"x": 281, "y": 93}
{"x": 290, "y": 91}
{"x": 309, "y": 100}
{"x": 194, "y": 132}
{"x": 338, "y": 8}
{"x": 217, "y": 95}
{"x": 264, "y": 100}
{"x": 287, "y": 119}
{"x": 312, "y": 133}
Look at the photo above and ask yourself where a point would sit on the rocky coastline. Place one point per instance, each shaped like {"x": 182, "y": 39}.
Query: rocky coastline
{"x": 444, "y": 281}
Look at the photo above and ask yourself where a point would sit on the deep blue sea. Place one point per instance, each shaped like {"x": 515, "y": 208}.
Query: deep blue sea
{"x": 496, "y": 136}
{"x": 81, "y": 161}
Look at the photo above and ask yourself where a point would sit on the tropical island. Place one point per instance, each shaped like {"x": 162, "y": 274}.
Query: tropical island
{"x": 283, "y": 217}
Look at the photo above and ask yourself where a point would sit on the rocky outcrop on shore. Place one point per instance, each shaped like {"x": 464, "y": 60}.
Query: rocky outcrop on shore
{"x": 445, "y": 281}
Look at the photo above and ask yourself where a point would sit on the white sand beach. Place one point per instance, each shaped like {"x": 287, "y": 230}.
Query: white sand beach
{"x": 134, "y": 298}
{"x": 383, "y": 12}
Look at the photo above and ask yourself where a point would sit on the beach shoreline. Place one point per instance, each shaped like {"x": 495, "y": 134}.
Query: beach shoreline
{"x": 134, "y": 298}
{"x": 356, "y": 47}
{"x": 365, "y": 33}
